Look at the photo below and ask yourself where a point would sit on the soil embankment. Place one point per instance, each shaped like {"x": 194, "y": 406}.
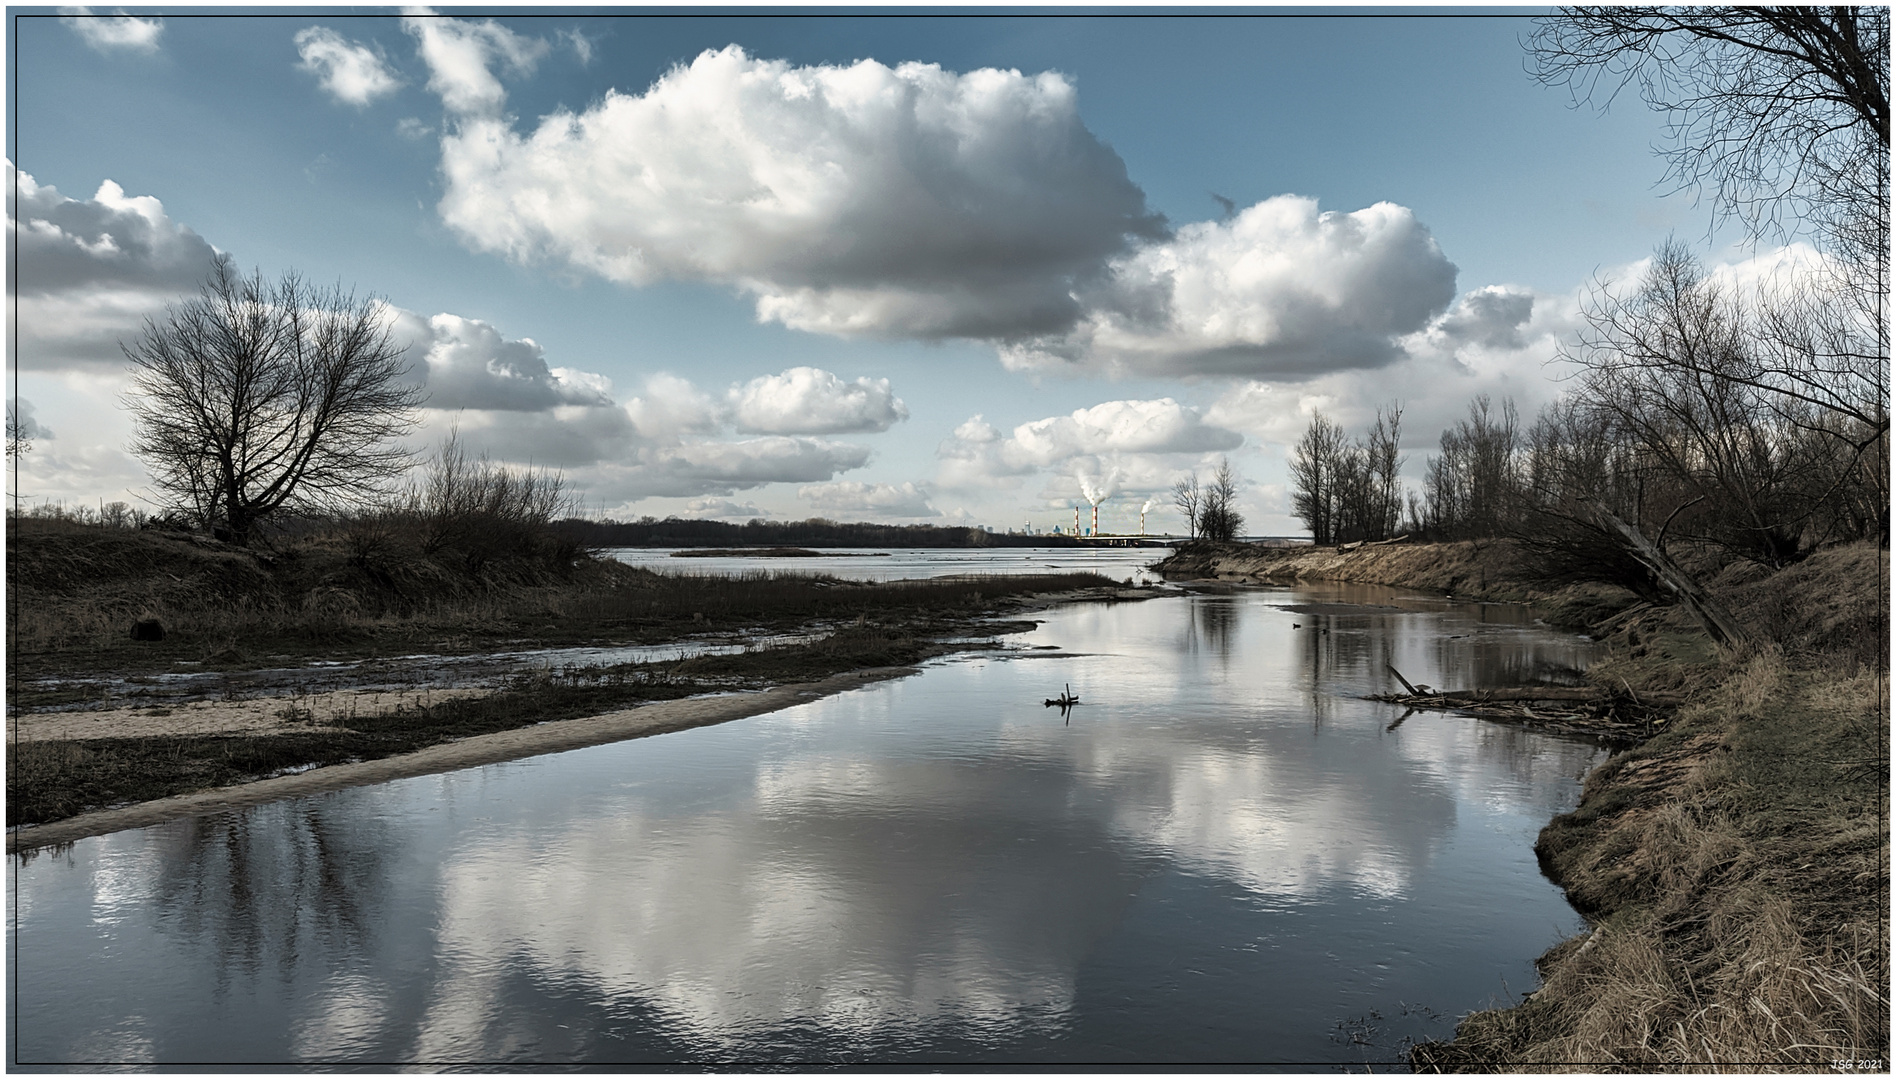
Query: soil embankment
{"x": 1465, "y": 570}
{"x": 1734, "y": 865}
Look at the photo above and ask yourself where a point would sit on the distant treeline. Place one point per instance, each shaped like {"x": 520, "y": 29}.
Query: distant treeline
{"x": 816, "y": 532}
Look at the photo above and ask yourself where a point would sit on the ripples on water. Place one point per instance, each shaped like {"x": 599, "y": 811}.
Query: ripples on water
{"x": 1224, "y": 855}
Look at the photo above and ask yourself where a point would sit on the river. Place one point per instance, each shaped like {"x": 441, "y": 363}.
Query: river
{"x": 871, "y": 564}
{"x": 1223, "y": 854}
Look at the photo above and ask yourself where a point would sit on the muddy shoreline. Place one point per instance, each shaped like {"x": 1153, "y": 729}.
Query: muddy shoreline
{"x": 552, "y": 737}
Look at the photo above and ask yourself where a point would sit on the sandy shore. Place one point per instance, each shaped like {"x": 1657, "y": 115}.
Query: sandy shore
{"x": 547, "y": 738}
{"x": 248, "y": 716}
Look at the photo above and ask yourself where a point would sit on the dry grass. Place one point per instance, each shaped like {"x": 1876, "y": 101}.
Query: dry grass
{"x": 1736, "y": 867}
{"x": 73, "y": 592}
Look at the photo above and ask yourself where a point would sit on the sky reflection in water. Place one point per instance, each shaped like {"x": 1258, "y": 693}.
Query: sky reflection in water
{"x": 1225, "y": 855}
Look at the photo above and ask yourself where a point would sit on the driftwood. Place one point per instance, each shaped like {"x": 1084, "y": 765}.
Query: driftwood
{"x": 1354, "y": 544}
{"x": 1576, "y": 710}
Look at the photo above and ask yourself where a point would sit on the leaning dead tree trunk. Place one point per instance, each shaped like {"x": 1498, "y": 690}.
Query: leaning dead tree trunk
{"x": 1718, "y": 622}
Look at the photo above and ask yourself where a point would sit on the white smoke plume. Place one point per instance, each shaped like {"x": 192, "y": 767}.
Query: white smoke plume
{"x": 1099, "y": 490}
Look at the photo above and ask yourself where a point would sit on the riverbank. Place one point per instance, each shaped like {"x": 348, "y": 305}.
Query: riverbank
{"x": 274, "y": 667}
{"x": 1465, "y": 570}
{"x": 1734, "y": 867}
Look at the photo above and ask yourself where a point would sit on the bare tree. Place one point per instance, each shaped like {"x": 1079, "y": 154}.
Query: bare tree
{"x": 1780, "y": 397}
{"x": 1777, "y": 110}
{"x": 1384, "y": 460}
{"x": 1749, "y": 431}
{"x": 1472, "y": 488}
{"x": 480, "y": 510}
{"x": 255, "y": 396}
{"x": 1186, "y": 497}
{"x": 1314, "y": 466}
{"x": 1346, "y": 491}
{"x": 1219, "y": 519}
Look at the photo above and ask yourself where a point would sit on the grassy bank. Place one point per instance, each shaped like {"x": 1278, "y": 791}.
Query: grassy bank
{"x": 1735, "y": 867}
{"x": 74, "y": 592}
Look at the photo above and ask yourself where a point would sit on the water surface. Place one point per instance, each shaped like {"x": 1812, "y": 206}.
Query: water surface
{"x": 1222, "y": 855}
{"x": 868, "y": 564}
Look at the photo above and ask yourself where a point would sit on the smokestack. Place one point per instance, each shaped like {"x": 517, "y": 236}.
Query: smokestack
{"x": 1076, "y": 519}
{"x": 1142, "y": 516}
{"x": 1095, "y": 519}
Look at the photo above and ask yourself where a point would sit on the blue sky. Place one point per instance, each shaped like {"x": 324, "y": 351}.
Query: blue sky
{"x": 873, "y": 267}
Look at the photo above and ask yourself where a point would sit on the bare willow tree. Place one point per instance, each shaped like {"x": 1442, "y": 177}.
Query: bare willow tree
{"x": 254, "y": 396}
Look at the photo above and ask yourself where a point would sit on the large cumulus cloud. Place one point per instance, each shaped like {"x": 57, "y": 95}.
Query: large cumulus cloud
{"x": 1495, "y": 340}
{"x": 861, "y": 200}
{"x": 1281, "y": 289}
{"x": 915, "y": 202}
{"x": 90, "y": 271}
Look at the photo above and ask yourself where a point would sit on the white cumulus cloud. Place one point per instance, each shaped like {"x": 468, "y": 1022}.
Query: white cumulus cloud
{"x": 857, "y": 200}
{"x": 1281, "y": 289}
{"x": 468, "y": 364}
{"x": 352, "y": 73}
{"x": 1114, "y": 448}
{"x": 915, "y": 202}
{"x": 671, "y": 439}
{"x": 1495, "y": 340}
{"x": 856, "y": 497}
{"x": 110, "y": 33}
{"x": 90, "y": 271}
{"x": 811, "y": 401}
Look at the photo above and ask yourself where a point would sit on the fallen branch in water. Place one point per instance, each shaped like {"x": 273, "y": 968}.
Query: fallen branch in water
{"x": 1568, "y": 709}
